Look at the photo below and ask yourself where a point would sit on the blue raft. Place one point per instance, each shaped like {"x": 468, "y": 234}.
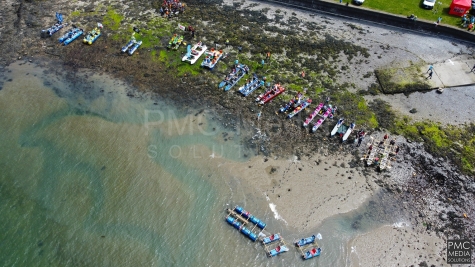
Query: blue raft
{"x": 305, "y": 241}
{"x": 270, "y": 239}
{"x": 314, "y": 252}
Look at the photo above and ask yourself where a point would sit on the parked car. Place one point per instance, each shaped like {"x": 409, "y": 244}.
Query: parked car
{"x": 428, "y": 4}
{"x": 360, "y": 2}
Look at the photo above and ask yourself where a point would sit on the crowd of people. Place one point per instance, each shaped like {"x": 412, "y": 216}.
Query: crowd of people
{"x": 171, "y": 7}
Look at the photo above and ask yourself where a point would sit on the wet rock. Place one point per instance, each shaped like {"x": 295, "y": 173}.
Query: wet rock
{"x": 443, "y": 216}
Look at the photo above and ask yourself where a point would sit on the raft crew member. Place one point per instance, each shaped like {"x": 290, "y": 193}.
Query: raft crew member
{"x": 227, "y": 42}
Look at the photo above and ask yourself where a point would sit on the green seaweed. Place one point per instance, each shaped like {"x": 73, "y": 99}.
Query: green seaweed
{"x": 112, "y": 19}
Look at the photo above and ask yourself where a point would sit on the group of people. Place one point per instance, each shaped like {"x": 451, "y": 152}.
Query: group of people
{"x": 170, "y": 7}
{"x": 468, "y": 22}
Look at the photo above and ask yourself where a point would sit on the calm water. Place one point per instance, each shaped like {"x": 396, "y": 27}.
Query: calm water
{"x": 91, "y": 177}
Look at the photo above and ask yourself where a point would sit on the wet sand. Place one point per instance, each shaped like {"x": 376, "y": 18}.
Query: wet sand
{"x": 397, "y": 245}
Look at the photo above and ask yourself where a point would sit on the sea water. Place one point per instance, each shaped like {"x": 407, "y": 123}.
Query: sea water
{"x": 93, "y": 177}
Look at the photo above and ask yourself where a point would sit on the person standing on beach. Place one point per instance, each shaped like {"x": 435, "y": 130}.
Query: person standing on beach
{"x": 430, "y": 75}
{"x": 430, "y": 68}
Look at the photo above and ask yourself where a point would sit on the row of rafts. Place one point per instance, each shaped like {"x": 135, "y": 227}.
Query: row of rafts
{"x": 273, "y": 244}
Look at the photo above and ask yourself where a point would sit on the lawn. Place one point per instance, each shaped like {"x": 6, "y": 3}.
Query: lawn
{"x": 408, "y": 7}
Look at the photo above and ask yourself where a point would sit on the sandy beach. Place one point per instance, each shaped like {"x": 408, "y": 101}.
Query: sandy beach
{"x": 397, "y": 245}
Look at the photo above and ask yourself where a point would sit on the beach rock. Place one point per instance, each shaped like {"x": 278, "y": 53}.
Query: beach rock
{"x": 443, "y": 216}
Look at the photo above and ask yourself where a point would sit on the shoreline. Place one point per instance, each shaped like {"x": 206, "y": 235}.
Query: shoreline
{"x": 302, "y": 146}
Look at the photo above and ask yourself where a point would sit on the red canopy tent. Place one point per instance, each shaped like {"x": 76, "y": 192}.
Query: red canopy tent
{"x": 460, "y": 7}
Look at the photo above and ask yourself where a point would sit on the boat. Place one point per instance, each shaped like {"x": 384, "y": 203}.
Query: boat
{"x": 55, "y": 28}
{"x": 240, "y": 73}
{"x": 68, "y": 34}
{"x": 299, "y": 108}
{"x": 440, "y": 90}
{"x": 92, "y": 36}
{"x": 320, "y": 121}
{"x": 287, "y": 106}
{"x": 270, "y": 239}
{"x": 134, "y": 47}
{"x": 194, "y": 52}
{"x": 305, "y": 241}
{"x": 337, "y": 126}
{"x": 233, "y": 77}
{"x": 278, "y": 250}
{"x": 128, "y": 45}
{"x": 212, "y": 58}
{"x": 291, "y": 103}
{"x": 175, "y": 41}
{"x": 314, "y": 252}
{"x": 264, "y": 94}
{"x": 251, "y": 86}
{"x": 73, "y": 36}
{"x": 312, "y": 115}
{"x": 178, "y": 42}
{"x": 348, "y": 132}
{"x": 276, "y": 90}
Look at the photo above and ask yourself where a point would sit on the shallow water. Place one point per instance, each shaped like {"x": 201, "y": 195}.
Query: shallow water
{"x": 92, "y": 177}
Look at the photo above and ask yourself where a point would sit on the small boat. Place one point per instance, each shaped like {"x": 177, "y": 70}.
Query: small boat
{"x": 299, "y": 108}
{"x": 173, "y": 41}
{"x": 68, "y": 34}
{"x": 292, "y": 103}
{"x": 251, "y": 86}
{"x": 320, "y": 121}
{"x": 194, "y": 52}
{"x": 305, "y": 241}
{"x": 276, "y": 90}
{"x": 233, "y": 77}
{"x": 92, "y": 36}
{"x": 178, "y": 42}
{"x": 270, "y": 239}
{"x": 128, "y": 45}
{"x": 134, "y": 47}
{"x": 240, "y": 73}
{"x": 440, "y": 90}
{"x": 263, "y": 94}
{"x": 73, "y": 36}
{"x": 278, "y": 250}
{"x": 287, "y": 106}
{"x": 212, "y": 58}
{"x": 314, "y": 252}
{"x": 337, "y": 126}
{"x": 348, "y": 132}
{"x": 312, "y": 115}
{"x": 55, "y": 28}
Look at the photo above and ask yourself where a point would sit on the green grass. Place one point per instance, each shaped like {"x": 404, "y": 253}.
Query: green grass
{"x": 408, "y": 7}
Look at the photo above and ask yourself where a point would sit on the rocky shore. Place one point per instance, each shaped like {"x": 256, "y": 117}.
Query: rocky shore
{"x": 341, "y": 56}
